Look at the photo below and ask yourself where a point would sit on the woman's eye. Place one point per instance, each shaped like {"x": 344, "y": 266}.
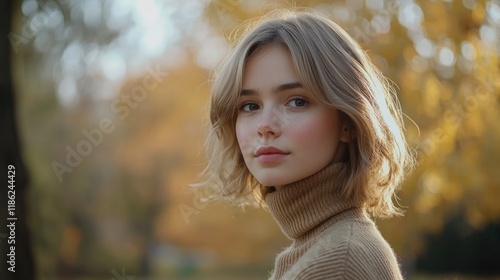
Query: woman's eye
{"x": 249, "y": 107}
{"x": 298, "y": 102}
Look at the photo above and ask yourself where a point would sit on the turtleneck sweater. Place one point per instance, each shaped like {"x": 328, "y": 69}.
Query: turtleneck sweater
{"x": 331, "y": 238}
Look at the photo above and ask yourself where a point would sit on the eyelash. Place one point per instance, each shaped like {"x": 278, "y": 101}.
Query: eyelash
{"x": 301, "y": 99}
{"x": 245, "y": 104}
{"x": 241, "y": 108}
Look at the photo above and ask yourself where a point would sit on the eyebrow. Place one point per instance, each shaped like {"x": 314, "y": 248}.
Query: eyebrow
{"x": 280, "y": 88}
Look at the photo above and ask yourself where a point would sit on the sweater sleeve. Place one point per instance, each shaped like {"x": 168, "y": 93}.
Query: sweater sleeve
{"x": 361, "y": 254}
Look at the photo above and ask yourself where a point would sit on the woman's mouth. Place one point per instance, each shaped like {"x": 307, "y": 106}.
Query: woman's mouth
{"x": 270, "y": 154}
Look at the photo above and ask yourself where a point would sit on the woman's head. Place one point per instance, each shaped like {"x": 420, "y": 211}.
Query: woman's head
{"x": 284, "y": 133}
{"x": 353, "y": 102}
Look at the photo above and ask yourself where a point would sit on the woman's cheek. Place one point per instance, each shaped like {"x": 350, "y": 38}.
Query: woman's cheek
{"x": 305, "y": 132}
{"x": 314, "y": 138}
{"x": 242, "y": 135}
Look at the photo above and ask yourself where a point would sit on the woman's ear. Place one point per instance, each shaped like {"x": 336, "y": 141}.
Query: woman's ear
{"x": 345, "y": 133}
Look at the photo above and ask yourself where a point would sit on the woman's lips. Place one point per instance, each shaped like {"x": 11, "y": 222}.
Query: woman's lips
{"x": 271, "y": 158}
{"x": 270, "y": 154}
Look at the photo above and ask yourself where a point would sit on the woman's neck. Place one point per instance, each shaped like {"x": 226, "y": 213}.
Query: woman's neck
{"x": 302, "y": 206}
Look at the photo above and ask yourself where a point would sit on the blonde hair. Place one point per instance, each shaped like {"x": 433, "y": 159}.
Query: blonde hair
{"x": 334, "y": 68}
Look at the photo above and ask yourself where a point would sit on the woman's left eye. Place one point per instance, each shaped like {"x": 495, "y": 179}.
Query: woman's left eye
{"x": 248, "y": 107}
{"x": 298, "y": 102}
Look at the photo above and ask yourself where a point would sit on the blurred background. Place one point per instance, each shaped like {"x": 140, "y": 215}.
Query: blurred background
{"x": 111, "y": 107}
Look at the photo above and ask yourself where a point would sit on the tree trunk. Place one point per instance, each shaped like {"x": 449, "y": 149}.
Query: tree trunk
{"x": 10, "y": 159}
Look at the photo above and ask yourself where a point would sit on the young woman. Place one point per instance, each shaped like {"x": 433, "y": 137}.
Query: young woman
{"x": 306, "y": 124}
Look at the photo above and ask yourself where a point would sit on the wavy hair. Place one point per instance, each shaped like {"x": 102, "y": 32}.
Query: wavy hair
{"x": 334, "y": 68}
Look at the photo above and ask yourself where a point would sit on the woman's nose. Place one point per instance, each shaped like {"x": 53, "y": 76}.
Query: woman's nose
{"x": 270, "y": 123}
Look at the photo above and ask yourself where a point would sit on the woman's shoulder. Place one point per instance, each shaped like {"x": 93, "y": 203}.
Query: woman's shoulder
{"x": 351, "y": 249}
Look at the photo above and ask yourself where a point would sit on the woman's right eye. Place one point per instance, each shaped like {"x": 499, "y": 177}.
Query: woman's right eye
{"x": 248, "y": 107}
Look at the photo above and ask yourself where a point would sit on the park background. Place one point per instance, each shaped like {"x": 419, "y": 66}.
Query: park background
{"x": 112, "y": 98}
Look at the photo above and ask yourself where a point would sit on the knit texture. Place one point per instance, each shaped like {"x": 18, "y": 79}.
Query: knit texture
{"x": 331, "y": 238}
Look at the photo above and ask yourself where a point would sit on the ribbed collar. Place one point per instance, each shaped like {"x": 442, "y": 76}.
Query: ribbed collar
{"x": 300, "y": 208}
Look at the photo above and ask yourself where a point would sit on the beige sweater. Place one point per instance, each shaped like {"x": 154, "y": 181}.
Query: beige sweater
{"x": 332, "y": 239}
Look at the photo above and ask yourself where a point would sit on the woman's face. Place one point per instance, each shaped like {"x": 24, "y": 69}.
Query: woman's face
{"x": 284, "y": 133}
